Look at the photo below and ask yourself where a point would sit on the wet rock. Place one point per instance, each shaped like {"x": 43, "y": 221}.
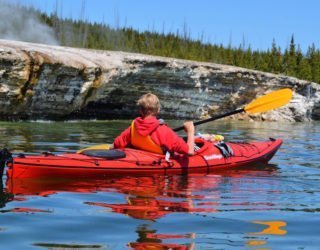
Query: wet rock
{"x": 51, "y": 82}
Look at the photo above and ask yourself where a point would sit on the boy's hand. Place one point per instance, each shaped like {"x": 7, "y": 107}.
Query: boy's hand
{"x": 189, "y": 126}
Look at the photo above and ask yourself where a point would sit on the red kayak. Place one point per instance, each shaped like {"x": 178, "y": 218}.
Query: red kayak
{"x": 100, "y": 163}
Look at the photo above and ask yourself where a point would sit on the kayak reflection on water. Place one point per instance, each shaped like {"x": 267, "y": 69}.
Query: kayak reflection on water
{"x": 151, "y": 198}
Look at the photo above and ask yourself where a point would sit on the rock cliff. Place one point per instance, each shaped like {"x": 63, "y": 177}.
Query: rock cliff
{"x": 50, "y": 82}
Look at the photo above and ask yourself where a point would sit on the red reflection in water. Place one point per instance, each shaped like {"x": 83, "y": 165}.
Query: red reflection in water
{"x": 147, "y": 198}
{"x": 28, "y": 210}
{"x": 149, "y": 239}
{"x": 158, "y": 246}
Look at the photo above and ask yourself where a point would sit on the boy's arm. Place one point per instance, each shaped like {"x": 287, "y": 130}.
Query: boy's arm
{"x": 189, "y": 127}
{"x": 173, "y": 143}
{"x": 124, "y": 139}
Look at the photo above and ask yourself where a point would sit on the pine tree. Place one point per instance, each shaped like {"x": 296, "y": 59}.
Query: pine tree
{"x": 291, "y": 58}
{"x": 314, "y": 61}
{"x": 275, "y": 59}
{"x": 303, "y": 69}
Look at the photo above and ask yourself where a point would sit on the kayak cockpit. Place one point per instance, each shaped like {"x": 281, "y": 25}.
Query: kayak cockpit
{"x": 110, "y": 154}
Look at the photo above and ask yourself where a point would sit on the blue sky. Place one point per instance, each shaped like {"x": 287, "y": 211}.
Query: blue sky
{"x": 254, "y": 22}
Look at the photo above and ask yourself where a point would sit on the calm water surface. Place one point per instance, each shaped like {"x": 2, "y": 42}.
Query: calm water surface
{"x": 276, "y": 206}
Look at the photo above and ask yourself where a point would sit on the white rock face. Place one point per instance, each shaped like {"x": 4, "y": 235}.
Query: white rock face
{"x": 50, "y": 82}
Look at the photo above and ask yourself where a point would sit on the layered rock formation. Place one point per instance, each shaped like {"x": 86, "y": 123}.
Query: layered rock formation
{"x": 50, "y": 82}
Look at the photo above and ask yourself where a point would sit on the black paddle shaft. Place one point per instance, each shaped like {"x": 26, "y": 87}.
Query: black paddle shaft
{"x": 212, "y": 118}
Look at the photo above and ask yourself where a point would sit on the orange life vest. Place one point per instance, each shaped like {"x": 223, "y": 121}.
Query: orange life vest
{"x": 144, "y": 142}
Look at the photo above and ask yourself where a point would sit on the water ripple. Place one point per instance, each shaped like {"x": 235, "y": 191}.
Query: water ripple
{"x": 271, "y": 207}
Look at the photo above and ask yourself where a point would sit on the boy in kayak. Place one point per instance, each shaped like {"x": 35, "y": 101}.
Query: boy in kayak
{"x": 148, "y": 133}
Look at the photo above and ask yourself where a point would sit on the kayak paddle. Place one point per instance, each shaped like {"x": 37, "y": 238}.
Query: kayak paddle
{"x": 264, "y": 103}
{"x": 96, "y": 147}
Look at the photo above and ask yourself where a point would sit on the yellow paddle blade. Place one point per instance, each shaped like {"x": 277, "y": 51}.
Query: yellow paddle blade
{"x": 269, "y": 101}
{"x": 96, "y": 147}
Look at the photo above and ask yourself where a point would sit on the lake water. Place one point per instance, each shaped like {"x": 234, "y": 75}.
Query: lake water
{"x": 275, "y": 206}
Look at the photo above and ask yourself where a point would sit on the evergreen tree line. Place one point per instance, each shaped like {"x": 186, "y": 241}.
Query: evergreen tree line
{"x": 81, "y": 33}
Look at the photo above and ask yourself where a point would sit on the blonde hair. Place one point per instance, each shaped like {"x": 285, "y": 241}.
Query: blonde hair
{"x": 148, "y": 104}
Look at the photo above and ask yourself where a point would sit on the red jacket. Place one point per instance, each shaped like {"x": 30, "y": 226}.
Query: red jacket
{"x": 161, "y": 134}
